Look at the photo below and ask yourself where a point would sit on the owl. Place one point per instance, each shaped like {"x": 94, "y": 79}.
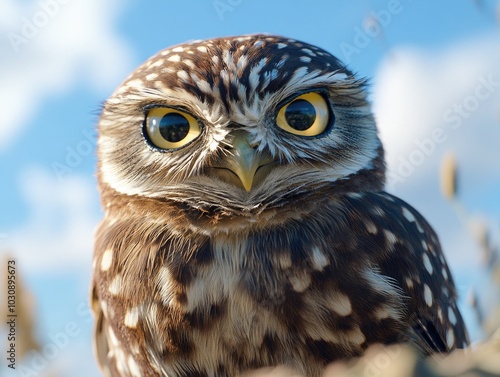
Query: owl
{"x": 246, "y": 223}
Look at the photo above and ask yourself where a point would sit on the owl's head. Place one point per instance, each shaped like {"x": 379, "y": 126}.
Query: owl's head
{"x": 239, "y": 127}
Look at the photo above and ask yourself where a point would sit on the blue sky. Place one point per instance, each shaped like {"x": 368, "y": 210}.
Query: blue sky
{"x": 424, "y": 58}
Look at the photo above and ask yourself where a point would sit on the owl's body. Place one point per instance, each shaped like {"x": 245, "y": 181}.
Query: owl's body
{"x": 245, "y": 220}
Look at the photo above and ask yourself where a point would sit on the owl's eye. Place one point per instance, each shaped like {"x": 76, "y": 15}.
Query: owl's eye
{"x": 306, "y": 115}
{"x": 169, "y": 128}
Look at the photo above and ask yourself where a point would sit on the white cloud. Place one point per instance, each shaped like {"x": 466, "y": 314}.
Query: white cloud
{"x": 418, "y": 93}
{"x": 58, "y": 234}
{"x": 74, "y": 40}
{"x": 456, "y": 91}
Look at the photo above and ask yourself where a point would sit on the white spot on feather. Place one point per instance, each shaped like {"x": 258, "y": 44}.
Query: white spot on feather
{"x": 165, "y": 282}
{"x": 189, "y": 63}
{"x": 112, "y": 338}
{"x": 134, "y": 369}
{"x": 308, "y": 51}
{"x": 174, "y": 58}
{"x": 284, "y": 260}
{"x": 341, "y": 304}
{"x": 132, "y": 317}
{"x": 104, "y": 308}
{"x": 281, "y": 63}
{"x": 356, "y": 336}
{"x": 159, "y": 63}
{"x": 121, "y": 361}
{"x": 355, "y": 195}
{"x": 300, "y": 281}
{"x": 152, "y": 76}
{"x": 390, "y": 237}
{"x": 106, "y": 259}
{"x": 450, "y": 338}
{"x": 319, "y": 259}
{"x": 409, "y": 282}
{"x": 370, "y": 227}
{"x": 451, "y": 316}
{"x": 445, "y": 274}
{"x": 411, "y": 218}
{"x": 427, "y": 263}
{"x": 137, "y": 83}
{"x": 183, "y": 75}
{"x": 386, "y": 312}
{"x": 254, "y": 76}
{"x": 424, "y": 246}
{"x": 242, "y": 62}
{"x": 116, "y": 285}
{"x": 428, "y": 295}
{"x": 203, "y": 85}
{"x": 440, "y": 314}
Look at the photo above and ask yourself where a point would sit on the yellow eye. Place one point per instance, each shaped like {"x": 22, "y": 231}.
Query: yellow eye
{"x": 171, "y": 128}
{"x": 305, "y": 115}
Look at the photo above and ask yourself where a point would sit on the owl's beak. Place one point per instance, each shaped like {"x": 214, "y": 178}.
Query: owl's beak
{"x": 245, "y": 162}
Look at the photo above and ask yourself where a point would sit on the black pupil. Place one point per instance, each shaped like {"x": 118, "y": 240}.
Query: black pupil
{"x": 300, "y": 114}
{"x": 174, "y": 127}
